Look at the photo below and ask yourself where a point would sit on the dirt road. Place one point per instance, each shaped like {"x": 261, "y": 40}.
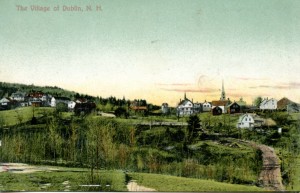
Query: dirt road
{"x": 270, "y": 175}
{"x": 132, "y": 186}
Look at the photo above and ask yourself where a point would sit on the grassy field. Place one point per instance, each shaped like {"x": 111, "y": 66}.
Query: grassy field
{"x": 22, "y": 115}
{"x": 296, "y": 178}
{"x": 66, "y": 180}
{"x": 295, "y": 116}
{"x": 172, "y": 183}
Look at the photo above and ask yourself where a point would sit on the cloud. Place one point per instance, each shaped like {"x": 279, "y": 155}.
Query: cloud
{"x": 173, "y": 84}
{"x": 206, "y": 90}
{"x": 249, "y": 78}
{"x": 294, "y": 84}
{"x": 291, "y": 85}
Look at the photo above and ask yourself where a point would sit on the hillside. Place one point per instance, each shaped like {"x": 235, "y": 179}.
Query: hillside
{"x": 6, "y": 89}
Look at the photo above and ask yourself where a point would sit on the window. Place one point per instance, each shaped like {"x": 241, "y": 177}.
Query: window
{"x": 246, "y": 119}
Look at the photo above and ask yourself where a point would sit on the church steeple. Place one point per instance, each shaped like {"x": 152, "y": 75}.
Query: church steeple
{"x": 184, "y": 95}
{"x": 223, "y": 96}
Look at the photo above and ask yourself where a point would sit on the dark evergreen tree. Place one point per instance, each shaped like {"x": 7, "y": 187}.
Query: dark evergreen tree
{"x": 193, "y": 127}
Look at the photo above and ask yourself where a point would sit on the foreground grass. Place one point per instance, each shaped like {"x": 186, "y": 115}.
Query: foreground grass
{"x": 62, "y": 181}
{"x": 172, "y": 183}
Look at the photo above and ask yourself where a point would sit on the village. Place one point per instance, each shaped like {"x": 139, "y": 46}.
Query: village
{"x": 248, "y": 117}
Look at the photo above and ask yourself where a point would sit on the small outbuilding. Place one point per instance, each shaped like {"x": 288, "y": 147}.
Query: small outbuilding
{"x": 216, "y": 110}
{"x": 233, "y": 108}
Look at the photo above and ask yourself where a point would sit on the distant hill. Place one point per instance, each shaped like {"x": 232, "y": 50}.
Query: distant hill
{"x": 6, "y": 89}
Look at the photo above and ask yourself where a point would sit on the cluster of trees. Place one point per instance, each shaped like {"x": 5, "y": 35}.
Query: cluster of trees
{"x": 97, "y": 143}
{"x": 105, "y": 143}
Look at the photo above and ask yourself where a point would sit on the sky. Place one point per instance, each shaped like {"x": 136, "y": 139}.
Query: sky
{"x": 156, "y": 50}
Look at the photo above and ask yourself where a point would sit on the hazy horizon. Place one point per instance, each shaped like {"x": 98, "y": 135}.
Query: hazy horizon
{"x": 155, "y": 50}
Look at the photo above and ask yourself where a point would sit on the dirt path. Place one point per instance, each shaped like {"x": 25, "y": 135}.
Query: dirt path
{"x": 270, "y": 175}
{"x": 25, "y": 168}
{"x": 132, "y": 186}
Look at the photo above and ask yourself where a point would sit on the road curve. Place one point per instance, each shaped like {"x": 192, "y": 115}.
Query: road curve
{"x": 270, "y": 175}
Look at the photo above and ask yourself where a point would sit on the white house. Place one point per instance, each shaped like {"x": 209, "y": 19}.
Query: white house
{"x": 268, "y": 104}
{"x": 185, "y": 107}
{"x": 206, "y": 106}
{"x": 245, "y": 121}
{"x": 56, "y": 100}
{"x": 18, "y": 96}
{"x": 4, "y": 101}
{"x": 250, "y": 121}
{"x": 71, "y": 105}
{"x": 165, "y": 108}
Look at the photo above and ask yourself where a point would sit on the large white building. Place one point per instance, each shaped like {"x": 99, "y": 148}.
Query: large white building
{"x": 185, "y": 107}
{"x": 268, "y": 104}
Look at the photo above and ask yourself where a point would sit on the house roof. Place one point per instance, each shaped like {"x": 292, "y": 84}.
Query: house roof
{"x": 183, "y": 102}
{"x": 282, "y": 103}
{"x": 219, "y": 103}
{"x": 36, "y": 94}
{"x": 233, "y": 104}
{"x": 18, "y": 94}
{"x": 216, "y": 107}
{"x": 81, "y": 100}
{"x": 254, "y": 116}
{"x": 257, "y": 119}
{"x": 263, "y": 102}
{"x": 4, "y": 100}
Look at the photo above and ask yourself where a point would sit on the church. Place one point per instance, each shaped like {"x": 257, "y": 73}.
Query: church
{"x": 223, "y": 102}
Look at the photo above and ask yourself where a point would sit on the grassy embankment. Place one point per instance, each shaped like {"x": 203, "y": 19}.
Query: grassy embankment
{"x": 172, "y": 183}
{"x": 23, "y": 115}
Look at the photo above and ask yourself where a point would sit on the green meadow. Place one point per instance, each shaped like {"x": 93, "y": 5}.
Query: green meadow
{"x": 22, "y": 115}
{"x": 174, "y": 184}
